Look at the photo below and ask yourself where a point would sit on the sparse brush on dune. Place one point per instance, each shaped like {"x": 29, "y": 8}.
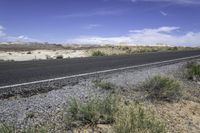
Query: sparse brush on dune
{"x": 98, "y": 53}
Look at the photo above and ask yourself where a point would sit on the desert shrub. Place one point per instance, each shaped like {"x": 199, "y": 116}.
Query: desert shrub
{"x": 7, "y": 128}
{"x": 29, "y": 52}
{"x": 175, "y": 48}
{"x": 98, "y": 53}
{"x": 92, "y": 112}
{"x": 135, "y": 119}
{"x": 59, "y": 57}
{"x": 163, "y": 88}
{"x": 193, "y": 71}
{"x": 125, "y": 48}
{"x": 35, "y": 130}
{"x": 104, "y": 85}
{"x": 4, "y": 128}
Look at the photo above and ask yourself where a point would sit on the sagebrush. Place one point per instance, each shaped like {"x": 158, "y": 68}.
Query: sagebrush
{"x": 163, "y": 88}
{"x": 94, "y": 111}
{"x": 135, "y": 119}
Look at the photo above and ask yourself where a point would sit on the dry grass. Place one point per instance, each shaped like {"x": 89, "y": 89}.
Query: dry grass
{"x": 95, "y": 111}
{"x": 121, "y": 50}
{"x": 135, "y": 119}
{"x": 163, "y": 88}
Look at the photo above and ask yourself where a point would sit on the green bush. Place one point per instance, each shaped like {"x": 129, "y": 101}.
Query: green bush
{"x": 7, "y": 128}
{"x": 4, "y": 128}
{"x": 104, "y": 85}
{"x": 193, "y": 71}
{"x": 92, "y": 112}
{"x": 163, "y": 88}
{"x": 98, "y": 53}
{"x": 135, "y": 119}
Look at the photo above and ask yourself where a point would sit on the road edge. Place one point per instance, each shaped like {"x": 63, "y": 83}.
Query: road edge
{"x": 41, "y": 86}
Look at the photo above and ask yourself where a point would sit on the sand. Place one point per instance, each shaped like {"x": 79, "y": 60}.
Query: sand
{"x": 40, "y": 55}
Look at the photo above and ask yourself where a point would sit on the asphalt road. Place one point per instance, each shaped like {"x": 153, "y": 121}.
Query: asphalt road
{"x": 28, "y": 71}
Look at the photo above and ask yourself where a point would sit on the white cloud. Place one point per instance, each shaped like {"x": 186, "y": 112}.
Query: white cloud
{"x": 1, "y": 31}
{"x": 92, "y": 26}
{"x": 102, "y": 12}
{"x": 172, "y": 1}
{"x": 165, "y": 29}
{"x": 163, "y": 13}
{"x": 8, "y": 38}
{"x": 1, "y": 27}
{"x": 162, "y": 35}
{"x": 22, "y": 37}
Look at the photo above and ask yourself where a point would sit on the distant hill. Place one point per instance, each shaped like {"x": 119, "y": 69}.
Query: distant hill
{"x": 29, "y": 46}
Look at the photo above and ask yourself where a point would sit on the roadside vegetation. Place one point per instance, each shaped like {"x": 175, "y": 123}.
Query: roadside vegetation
{"x": 4, "y": 128}
{"x": 98, "y": 53}
{"x": 104, "y": 85}
{"x": 135, "y": 119}
{"x": 59, "y": 57}
{"x": 122, "y": 113}
{"x": 95, "y": 111}
{"x": 123, "y": 118}
{"x": 163, "y": 88}
{"x": 121, "y": 50}
{"x": 193, "y": 71}
{"x": 7, "y": 128}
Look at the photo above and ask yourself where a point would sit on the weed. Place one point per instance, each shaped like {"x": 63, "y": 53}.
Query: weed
{"x": 193, "y": 71}
{"x": 4, "y": 128}
{"x": 98, "y": 53}
{"x": 163, "y": 88}
{"x": 92, "y": 112}
{"x": 135, "y": 119}
{"x": 104, "y": 85}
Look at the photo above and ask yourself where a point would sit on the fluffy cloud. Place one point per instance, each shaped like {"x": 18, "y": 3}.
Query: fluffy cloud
{"x": 162, "y": 35}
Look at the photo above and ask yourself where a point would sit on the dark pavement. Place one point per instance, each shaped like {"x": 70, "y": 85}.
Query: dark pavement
{"x": 27, "y": 71}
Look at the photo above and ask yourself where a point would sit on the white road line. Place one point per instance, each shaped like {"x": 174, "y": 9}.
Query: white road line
{"x": 97, "y": 72}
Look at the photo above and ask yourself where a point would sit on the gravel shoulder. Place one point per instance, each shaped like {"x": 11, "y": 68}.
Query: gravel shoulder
{"x": 183, "y": 116}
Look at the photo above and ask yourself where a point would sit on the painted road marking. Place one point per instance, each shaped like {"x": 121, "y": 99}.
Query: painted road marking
{"x": 97, "y": 72}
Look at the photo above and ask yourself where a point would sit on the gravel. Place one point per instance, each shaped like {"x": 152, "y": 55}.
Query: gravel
{"x": 43, "y": 107}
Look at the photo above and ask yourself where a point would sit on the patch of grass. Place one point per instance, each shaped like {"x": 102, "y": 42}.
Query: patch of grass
{"x": 4, "y": 128}
{"x": 35, "y": 130}
{"x": 163, "y": 88}
{"x": 30, "y": 115}
{"x": 95, "y": 111}
{"x": 135, "y": 119}
{"x": 98, "y": 53}
{"x": 7, "y": 128}
{"x": 104, "y": 85}
{"x": 193, "y": 71}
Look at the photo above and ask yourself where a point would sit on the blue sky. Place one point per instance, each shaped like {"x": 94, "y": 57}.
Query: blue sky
{"x": 101, "y": 21}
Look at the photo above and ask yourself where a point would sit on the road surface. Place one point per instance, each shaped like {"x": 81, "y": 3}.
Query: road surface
{"x": 28, "y": 71}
